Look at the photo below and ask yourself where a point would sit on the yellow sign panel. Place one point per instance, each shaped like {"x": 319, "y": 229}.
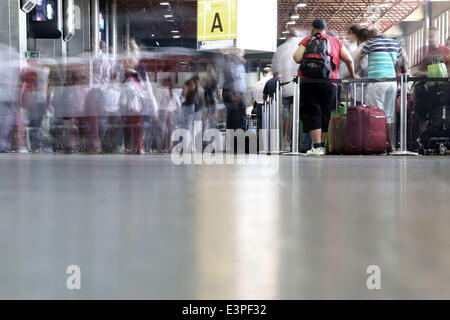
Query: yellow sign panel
{"x": 216, "y": 21}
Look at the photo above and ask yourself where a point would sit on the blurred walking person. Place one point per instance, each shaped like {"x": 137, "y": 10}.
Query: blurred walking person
{"x": 111, "y": 132}
{"x": 233, "y": 93}
{"x": 72, "y": 107}
{"x": 190, "y": 99}
{"x": 283, "y": 62}
{"x": 56, "y": 105}
{"x": 35, "y": 79}
{"x": 211, "y": 97}
{"x": 131, "y": 106}
{"x": 360, "y": 36}
{"x": 9, "y": 94}
{"x": 150, "y": 112}
{"x": 169, "y": 106}
{"x": 258, "y": 96}
{"x": 427, "y": 95}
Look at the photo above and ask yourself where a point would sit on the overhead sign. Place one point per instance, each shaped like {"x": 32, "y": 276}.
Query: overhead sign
{"x": 216, "y": 24}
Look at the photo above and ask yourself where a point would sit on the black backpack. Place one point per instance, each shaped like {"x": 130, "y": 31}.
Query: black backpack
{"x": 317, "y": 61}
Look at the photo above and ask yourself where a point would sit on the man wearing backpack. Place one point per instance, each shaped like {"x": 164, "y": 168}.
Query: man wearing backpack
{"x": 319, "y": 57}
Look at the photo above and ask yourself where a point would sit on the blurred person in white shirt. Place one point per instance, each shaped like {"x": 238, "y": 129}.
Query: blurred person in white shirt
{"x": 360, "y": 36}
{"x": 9, "y": 93}
{"x": 169, "y": 106}
{"x": 282, "y": 61}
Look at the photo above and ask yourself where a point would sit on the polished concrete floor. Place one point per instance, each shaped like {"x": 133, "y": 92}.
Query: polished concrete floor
{"x": 141, "y": 227}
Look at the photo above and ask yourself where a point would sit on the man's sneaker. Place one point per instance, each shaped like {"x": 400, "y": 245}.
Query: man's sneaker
{"x": 316, "y": 152}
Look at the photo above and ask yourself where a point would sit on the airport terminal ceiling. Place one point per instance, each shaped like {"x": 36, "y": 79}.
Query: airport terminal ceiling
{"x": 159, "y": 18}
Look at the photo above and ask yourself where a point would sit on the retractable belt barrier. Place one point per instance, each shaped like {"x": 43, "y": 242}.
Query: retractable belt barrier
{"x": 272, "y": 124}
{"x": 295, "y": 119}
{"x": 368, "y": 80}
{"x": 403, "y": 80}
{"x": 265, "y": 147}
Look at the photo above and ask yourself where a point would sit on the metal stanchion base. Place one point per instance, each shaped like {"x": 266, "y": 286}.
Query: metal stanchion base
{"x": 294, "y": 154}
{"x": 403, "y": 153}
{"x": 268, "y": 153}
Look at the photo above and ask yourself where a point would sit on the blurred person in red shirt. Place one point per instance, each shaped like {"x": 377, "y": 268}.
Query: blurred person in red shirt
{"x": 33, "y": 100}
{"x": 432, "y": 54}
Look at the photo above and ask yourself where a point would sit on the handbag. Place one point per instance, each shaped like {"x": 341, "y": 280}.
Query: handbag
{"x": 437, "y": 70}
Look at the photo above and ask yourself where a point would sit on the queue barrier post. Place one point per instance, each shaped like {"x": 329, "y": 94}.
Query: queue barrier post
{"x": 269, "y": 118}
{"x": 274, "y": 129}
{"x": 280, "y": 119}
{"x": 268, "y": 115}
{"x": 362, "y": 93}
{"x": 296, "y": 120}
{"x": 404, "y": 119}
{"x": 263, "y": 133}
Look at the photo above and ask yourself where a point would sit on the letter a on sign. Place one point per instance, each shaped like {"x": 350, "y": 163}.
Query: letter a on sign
{"x": 217, "y": 24}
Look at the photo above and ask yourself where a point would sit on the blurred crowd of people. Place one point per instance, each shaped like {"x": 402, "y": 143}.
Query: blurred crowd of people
{"x": 97, "y": 104}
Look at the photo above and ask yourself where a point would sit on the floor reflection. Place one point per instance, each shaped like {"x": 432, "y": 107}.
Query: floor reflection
{"x": 142, "y": 227}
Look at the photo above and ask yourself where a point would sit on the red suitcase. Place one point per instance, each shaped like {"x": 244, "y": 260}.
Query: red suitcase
{"x": 366, "y": 130}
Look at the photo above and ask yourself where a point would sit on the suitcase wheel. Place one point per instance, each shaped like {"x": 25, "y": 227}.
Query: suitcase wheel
{"x": 422, "y": 151}
{"x": 442, "y": 149}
